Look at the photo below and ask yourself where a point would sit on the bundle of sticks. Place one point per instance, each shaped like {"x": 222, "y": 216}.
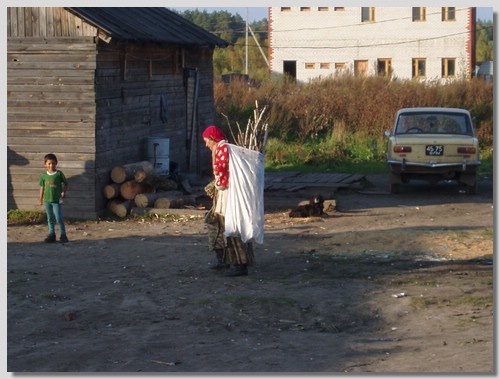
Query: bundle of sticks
{"x": 254, "y": 136}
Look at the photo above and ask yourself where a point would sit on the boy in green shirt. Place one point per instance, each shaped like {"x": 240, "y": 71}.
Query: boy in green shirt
{"x": 53, "y": 187}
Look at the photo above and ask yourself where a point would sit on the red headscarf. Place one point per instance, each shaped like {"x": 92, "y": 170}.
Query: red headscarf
{"x": 214, "y": 132}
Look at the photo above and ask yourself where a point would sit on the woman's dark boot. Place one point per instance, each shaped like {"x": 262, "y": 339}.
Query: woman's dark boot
{"x": 237, "y": 270}
{"x": 219, "y": 265}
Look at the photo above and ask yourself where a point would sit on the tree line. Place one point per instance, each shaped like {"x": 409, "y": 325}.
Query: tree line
{"x": 232, "y": 28}
{"x": 484, "y": 41}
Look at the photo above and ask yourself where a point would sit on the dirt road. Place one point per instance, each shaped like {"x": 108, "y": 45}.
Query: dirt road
{"x": 386, "y": 283}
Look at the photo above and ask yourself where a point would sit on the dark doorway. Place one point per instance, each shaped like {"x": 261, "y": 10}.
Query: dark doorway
{"x": 290, "y": 69}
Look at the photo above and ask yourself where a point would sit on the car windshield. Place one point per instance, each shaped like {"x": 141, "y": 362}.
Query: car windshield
{"x": 433, "y": 123}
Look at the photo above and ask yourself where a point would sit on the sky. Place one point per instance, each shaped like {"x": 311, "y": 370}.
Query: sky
{"x": 484, "y": 13}
{"x": 254, "y": 13}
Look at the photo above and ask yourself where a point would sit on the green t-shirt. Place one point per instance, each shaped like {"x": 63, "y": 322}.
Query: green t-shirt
{"x": 52, "y": 186}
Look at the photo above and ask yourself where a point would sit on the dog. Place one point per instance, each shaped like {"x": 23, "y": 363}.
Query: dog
{"x": 313, "y": 209}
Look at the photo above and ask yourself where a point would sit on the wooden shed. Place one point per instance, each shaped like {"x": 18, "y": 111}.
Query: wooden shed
{"x": 91, "y": 85}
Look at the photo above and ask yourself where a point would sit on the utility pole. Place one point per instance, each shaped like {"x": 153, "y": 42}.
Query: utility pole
{"x": 258, "y": 45}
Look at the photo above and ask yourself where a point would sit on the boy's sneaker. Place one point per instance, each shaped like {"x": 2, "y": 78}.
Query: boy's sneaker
{"x": 63, "y": 239}
{"x": 50, "y": 238}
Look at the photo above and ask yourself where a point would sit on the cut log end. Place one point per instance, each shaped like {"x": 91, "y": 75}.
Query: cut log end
{"x": 120, "y": 208}
{"x": 131, "y": 188}
{"x": 120, "y": 174}
{"x": 111, "y": 191}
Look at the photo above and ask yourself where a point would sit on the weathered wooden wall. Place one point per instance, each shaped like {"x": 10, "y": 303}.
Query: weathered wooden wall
{"x": 45, "y": 22}
{"x": 92, "y": 103}
{"x": 51, "y": 108}
{"x": 130, "y": 82}
{"x": 131, "y": 79}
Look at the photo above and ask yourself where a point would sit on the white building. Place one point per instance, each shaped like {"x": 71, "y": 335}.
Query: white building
{"x": 424, "y": 43}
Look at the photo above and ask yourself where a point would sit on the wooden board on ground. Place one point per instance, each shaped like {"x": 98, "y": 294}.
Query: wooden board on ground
{"x": 293, "y": 181}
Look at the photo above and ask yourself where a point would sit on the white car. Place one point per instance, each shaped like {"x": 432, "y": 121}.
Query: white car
{"x": 433, "y": 144}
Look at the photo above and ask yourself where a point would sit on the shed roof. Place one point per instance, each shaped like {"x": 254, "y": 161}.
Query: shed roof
{"x": 147, "y": 24}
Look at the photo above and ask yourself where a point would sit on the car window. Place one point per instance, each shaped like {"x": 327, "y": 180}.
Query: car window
{"x": 433, "y": 123}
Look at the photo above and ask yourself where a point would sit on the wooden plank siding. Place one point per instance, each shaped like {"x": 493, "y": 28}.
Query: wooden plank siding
{"x": 93, "y": 103}
{"x": 128, "y": 98}
{"x": 46, "y": 22}
{"x": 51, "y": 108}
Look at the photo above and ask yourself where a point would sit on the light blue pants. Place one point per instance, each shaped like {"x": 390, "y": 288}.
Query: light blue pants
{"x": 54, "y": 213}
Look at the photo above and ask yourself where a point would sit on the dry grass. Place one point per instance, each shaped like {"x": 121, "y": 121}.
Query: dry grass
{"x": 348, "y": 105}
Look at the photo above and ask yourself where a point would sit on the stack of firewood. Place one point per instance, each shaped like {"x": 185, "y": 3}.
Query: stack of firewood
{"x": 135, "y": 185}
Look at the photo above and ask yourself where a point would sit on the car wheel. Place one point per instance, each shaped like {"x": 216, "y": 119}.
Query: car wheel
{"x": 470, "y": 182}
{"x": 395, "y": 183}
{"x": 472, "y": 189}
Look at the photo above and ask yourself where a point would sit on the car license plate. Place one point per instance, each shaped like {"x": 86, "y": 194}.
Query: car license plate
{"x": 434, "y": 150}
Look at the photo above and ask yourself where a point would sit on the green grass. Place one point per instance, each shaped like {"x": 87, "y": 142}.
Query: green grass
{"x": 353, "y": 157}
{"x": 424, "y": 302}
{"x": 368, "y": 167}
{"x": 475, "y": 301}
{"x": 486, "y": 233}
{"x": 18, "y": 217}
{"x": 486, "y": 168}
{"x": 163, "y": 217}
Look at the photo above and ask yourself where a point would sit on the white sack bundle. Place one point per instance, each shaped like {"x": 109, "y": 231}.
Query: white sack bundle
{"x": 245, "y": 204}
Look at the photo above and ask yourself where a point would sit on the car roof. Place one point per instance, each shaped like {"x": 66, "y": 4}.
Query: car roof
{"x": 433, "y": 109}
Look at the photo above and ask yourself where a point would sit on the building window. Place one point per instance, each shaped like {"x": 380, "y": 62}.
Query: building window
{"x": 448, "y": 68}
{"x": 384, "y": 67}
{"x": 367, "y": 14}
{"x": 361, "y": 68}
{"x": 322, "y": 9}
{"x": 336, "y": 9}
{"x": 305, "y": 9}
{"x": 418, "y": 68}
{"x": 339, "y": 66}
{"x": 286, "y": 9}
{"x": 310, "y": 66}
{"x": 324, "y": 66}
{"x": 448, "y": 13}
{"x": 418, "y": 13}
